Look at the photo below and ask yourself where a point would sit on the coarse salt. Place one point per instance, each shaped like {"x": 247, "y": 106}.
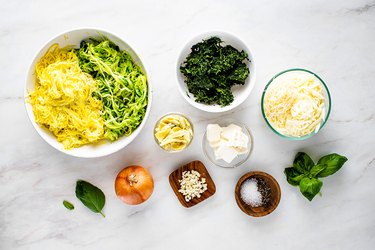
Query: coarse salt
{"x": 250, "y": 194}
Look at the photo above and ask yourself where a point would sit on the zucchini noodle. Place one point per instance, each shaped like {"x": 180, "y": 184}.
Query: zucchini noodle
{"x": 122, "y": 86}
{"x": 62, "y": 101}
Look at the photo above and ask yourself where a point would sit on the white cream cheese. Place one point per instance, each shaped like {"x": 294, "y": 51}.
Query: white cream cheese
{"x": 227, "y": 142}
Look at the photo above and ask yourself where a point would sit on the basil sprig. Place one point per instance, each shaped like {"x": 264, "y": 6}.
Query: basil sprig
{"x": 91, "y": 196}
{"x": 304, "y": 173}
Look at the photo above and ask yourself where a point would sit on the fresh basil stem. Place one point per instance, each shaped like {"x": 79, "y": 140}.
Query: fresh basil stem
{"x": 304, "y": 173}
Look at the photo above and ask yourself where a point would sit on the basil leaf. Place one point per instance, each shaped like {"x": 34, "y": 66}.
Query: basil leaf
{"x": 91, "y": 196}
{"x": 303, "y": 163}
{"x": 310, "y": 187}
{"x": 68, "y": 205}
{"x": 333, "y": 163}
{"x": 293, "y": 176}
{"x": 316, "y": 170}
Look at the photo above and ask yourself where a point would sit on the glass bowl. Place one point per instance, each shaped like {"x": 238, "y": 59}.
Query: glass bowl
{"x": 179, "y": 114}
{"x": 240, "y": 159}
{"x": 327, "y": 107}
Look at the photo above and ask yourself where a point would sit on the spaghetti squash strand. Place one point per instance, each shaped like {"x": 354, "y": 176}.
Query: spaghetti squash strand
{"x": 62, "y": 101}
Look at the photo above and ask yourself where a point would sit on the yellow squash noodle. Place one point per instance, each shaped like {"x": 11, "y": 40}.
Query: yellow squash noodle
{"x": 62, "y": 100}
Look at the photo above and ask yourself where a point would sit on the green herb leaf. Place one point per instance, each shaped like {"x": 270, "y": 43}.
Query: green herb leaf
{"x": 305, "y": 174}
{"x": 302, "y": 162}
{"x": 310, "y": 187}
{"x": 293, "y": 176}
{"x": 91, "y": 196}
{"x": 68, "y": 205}
{"x": 316, "y": 170}
{"x": 333, "y": 163}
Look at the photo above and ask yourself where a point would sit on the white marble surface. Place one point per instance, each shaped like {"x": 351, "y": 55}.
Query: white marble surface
{"x": 335, "y": 39}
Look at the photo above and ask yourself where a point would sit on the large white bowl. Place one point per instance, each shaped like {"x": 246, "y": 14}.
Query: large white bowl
{"x": 73, "y": 38}
{"x": 240, "y": 92}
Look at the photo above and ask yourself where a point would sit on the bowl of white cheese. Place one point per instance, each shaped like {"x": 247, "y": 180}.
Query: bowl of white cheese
{"x": 228, "y": 143}
{"x": 296, "y": 104}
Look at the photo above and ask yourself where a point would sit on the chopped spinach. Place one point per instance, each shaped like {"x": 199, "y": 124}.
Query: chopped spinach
{"x": 211, "y": 70}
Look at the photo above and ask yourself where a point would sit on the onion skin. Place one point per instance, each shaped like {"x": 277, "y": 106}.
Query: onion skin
{"x": 134, "y": 185}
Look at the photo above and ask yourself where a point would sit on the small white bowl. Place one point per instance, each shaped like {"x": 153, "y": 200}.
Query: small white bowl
{"x": 240, "y": 92}
{"x": 74, "y": 38}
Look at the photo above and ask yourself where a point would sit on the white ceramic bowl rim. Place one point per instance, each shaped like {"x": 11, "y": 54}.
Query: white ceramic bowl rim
{"x": 86, "y": 151}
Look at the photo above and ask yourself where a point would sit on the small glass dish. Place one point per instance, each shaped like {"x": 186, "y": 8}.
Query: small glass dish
{"x": 327, "y": 106}
{"x": 169, "y": 149}
{"x": 240, "y": 159}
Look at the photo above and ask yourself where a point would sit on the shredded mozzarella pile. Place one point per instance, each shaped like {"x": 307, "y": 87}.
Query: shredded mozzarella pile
{"x": 294, "y": 104}
{"x": 62, "y": 101}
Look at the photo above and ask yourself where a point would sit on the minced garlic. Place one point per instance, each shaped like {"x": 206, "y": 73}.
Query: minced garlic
{"x": 191, "y": 185}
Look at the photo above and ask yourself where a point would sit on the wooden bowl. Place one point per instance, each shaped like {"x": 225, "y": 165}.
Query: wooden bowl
{"x": 177, "y": 175}
{"x": 274, "y": 198}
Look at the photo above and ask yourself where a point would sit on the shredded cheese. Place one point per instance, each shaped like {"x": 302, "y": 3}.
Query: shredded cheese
{"x": 294, "y": 104}
{"x": 62, "y": 101}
